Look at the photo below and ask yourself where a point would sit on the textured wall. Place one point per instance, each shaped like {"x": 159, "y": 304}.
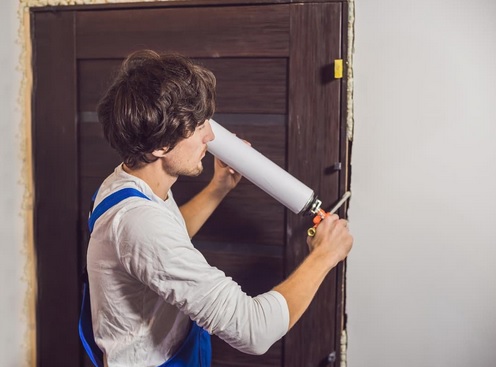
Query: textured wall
{"x": 14, "y": 320}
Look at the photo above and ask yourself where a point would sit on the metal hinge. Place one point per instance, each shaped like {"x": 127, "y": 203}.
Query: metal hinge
{"x": 333, "y": 168}
{"x": 331, "y": 358}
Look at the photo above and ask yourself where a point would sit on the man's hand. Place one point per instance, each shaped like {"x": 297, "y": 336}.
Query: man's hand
{"x": 224, "y": 178}
{"x": 331, "y": 244}
{"x": 332, "y": 239}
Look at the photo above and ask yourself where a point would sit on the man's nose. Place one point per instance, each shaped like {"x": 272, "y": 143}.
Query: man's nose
{"x": 209, "y": 136}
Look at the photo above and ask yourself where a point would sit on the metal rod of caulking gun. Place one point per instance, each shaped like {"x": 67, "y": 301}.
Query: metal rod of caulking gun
{"x": 321, "y": 214}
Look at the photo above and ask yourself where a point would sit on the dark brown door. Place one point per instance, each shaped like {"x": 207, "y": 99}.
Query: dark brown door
{"x": 273, "y": 64}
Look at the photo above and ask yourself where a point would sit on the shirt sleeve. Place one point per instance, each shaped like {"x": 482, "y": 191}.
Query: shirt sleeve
{"x": 155, "y": 248}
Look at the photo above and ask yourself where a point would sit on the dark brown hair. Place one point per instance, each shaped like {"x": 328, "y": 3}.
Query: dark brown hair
{"x": 155, "y": 101}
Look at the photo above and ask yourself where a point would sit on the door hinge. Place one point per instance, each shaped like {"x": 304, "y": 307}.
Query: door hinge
{"x": 331, "y": 358}
{"x": 333, "y": 168}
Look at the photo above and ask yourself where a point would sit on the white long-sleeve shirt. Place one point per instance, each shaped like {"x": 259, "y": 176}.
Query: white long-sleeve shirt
{"x": 147, "y": 281}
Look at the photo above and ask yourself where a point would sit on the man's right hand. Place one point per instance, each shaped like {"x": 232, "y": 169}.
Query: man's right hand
{"x": 330, "y": 245}
{"x": 332, "y": 239}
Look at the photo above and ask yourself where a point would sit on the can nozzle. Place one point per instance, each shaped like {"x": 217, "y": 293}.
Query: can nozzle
{"x": 321, "y": 214}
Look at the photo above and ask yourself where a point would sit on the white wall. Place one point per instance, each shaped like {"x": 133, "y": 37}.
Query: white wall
{"x": 422, "y": 273}
{"x": 12, "y": 285}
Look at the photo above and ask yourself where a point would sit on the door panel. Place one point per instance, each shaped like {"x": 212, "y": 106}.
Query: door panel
{"x": 196, "y": 31}
{"x": 244, "y": 85}
{"x": 271, "y": 64}
{"x": 55, "y": 189}
{"x": 314, "y": 138}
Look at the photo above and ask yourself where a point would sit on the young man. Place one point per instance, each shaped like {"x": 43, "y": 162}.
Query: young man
{"x": 154, "y": 298}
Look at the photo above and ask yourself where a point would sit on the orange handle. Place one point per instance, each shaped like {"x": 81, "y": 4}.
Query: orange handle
{"x": 321, "y": 214}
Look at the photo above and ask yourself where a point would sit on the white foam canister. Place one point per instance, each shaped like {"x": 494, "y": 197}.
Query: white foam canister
{"x": 260, "y": 170}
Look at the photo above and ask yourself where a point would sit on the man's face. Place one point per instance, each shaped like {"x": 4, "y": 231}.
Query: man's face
{"x": 185, "y": 158}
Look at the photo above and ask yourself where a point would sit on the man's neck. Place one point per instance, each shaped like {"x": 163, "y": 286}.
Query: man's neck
{"x": 154, "y": 176}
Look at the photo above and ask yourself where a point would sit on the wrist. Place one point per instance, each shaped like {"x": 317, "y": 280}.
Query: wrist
{"x": 327, "y": 258}
{"x": 217, "y": 189}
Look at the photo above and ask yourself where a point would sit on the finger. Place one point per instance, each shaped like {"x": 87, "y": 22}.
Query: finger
{"x": 331, "y": 218}
{"x": 222, "y": 164}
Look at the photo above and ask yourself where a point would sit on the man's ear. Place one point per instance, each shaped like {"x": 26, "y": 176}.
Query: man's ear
{"x": 159, "y": 153}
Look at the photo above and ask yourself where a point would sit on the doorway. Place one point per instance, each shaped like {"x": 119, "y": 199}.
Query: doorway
{"x": 273, "y": 61}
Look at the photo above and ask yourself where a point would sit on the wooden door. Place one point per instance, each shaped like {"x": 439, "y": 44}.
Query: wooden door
{"x": 275, "y": 88}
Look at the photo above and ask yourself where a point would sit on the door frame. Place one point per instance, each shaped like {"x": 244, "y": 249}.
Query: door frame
{"x": 58, "y": 166}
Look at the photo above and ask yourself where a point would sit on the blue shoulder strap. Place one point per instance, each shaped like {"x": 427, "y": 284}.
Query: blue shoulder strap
{"x": 85, "y": 323}
{"x": 110, "y": 201}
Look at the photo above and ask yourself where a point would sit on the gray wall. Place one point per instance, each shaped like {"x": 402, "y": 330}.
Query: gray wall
{"x": 422, "y": 274}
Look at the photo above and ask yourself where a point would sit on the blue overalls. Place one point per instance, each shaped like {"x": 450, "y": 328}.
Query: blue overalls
{"x": 195, "y": 350}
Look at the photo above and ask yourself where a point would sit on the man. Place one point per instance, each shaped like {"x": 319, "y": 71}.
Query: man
{"x": 154, "y": 298}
